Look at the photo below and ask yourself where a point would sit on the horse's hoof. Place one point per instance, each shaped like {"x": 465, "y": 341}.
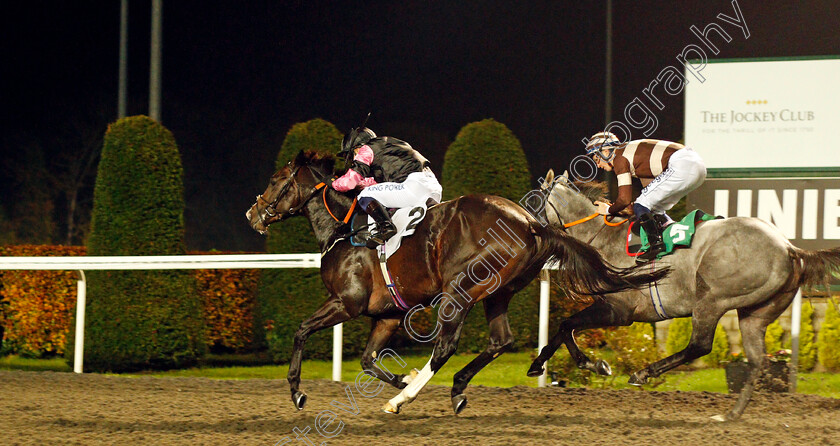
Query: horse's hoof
{"x": 603, "y": 368}
{"x": 732, "y": 415}
{"x": 459, "y": 402}
{"x": 299, "y": 398}
{"x": 536, "y": 370}
{"x": 637, "y": 379}
{"x": 389, "y": 408}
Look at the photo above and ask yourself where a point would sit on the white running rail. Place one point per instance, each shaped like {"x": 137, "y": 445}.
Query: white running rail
{"x": 242, "y": 261}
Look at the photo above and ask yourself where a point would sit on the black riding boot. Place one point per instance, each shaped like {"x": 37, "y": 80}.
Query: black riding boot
{"x": 385, "y": 229}
{"x": 654, "y": 236}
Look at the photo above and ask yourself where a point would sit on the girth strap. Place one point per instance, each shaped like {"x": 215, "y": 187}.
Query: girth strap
{"x": 389, "y": 281}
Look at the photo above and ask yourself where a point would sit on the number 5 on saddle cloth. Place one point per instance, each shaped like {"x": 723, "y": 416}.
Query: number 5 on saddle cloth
{"x": 675, "y": 235}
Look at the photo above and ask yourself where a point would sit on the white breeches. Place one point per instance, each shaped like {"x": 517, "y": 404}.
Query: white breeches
{"x": 686, "y": 172}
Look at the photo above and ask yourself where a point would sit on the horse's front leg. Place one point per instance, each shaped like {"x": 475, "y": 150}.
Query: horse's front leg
{"x": 599, "y": 314}
{"x": 330, "y": 313}
{"x": 381, "y": 332}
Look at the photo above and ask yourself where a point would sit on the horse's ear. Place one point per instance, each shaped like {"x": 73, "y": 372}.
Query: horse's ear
{"x": 549, "y": 178}
{"x": 566, "y": 174}
{"x": 300, "y": 159}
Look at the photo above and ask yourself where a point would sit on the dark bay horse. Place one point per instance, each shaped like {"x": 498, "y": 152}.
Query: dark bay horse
{"x": 735, "y": 263}
{"x": 475, "y": 248}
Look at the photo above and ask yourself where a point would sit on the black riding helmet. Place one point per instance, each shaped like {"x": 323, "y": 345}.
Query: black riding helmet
{"x": 357, "y": 137}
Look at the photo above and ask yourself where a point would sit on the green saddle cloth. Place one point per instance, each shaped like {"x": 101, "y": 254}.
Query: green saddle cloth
{"x": 677, "y": 234}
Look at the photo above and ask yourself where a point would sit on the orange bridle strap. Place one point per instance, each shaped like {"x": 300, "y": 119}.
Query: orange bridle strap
{"x": 349, "y": 212}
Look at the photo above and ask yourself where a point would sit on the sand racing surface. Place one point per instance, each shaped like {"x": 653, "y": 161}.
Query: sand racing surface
{"x": 49, "y": 408}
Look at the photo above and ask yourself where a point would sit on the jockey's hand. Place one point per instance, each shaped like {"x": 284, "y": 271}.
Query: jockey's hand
{"x": 603, "y": 207}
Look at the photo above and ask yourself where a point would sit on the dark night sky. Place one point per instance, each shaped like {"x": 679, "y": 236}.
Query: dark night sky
{"x": 237, "y": 75}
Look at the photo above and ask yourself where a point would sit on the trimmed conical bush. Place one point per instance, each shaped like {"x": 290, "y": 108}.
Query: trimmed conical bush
{"x": 140, "y": 319}
{"x": 487, "y": 158}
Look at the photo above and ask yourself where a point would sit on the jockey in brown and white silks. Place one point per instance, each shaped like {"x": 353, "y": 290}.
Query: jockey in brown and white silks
{"x": 668, "y": 171}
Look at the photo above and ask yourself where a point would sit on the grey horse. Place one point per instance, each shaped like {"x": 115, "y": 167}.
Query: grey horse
{"x": 735, "y": 263}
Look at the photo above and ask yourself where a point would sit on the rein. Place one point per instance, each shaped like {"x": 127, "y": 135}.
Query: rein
{"x": 607, "y": 222}
{"x": 321, "y": 187}
{"x": 582, "y": 220}
{"x": 592, "y": 217}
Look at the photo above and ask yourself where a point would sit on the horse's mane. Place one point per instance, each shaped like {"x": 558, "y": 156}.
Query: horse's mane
{"x": 593, "y": 190}
{"x": 324, "y": 162}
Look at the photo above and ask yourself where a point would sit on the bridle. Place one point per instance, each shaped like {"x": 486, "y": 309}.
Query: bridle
{"x": 270, "y": 210}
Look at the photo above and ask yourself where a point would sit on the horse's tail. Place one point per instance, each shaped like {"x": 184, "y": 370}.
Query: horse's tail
{"x": 814, "y": 267}
{"x": 582, "y": 270}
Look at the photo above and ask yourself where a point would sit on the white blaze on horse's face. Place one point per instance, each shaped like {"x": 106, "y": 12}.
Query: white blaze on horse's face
{"x": 254, "y": 221}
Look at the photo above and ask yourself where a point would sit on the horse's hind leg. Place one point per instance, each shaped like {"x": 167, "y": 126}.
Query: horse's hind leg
{"x": 445, "y": 345}
{"x": 753, "y": 323}
{"x": 380, "y": 334}
{"x": 599, "y": 314}
{"x": 501, "y": 338}
{"x": 330, "y": 313}
{"x": 704, "y": 320}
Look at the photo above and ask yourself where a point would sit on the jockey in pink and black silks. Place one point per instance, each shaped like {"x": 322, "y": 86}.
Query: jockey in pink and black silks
{"x": 667, "y": 170}
{"x": 390, "y": 173}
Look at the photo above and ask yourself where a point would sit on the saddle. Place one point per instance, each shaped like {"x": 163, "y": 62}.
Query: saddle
{"x": 359, "y": 229}
{"x": 675, "y": 235}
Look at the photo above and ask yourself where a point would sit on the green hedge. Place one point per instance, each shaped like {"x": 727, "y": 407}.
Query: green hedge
{"x": 773, "y": 337}
{"x": 140, "y": 319}
{"x": 634, "y": 347}
{"x": 720, "y": 349}
{"x": 829, "y": 339}
{"x": 487, "y": 158}
{"x": 286, "y": 297}
{"x": 679, "y": 333}
{"x": 807, "y": 346}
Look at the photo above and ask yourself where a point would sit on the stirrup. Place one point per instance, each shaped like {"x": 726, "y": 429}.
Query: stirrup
{"x": 380, "y": 235}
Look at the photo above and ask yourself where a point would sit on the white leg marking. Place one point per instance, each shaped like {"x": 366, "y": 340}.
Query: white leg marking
{"x": 411, "y": 375}
{"x": 409, "y": 393}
